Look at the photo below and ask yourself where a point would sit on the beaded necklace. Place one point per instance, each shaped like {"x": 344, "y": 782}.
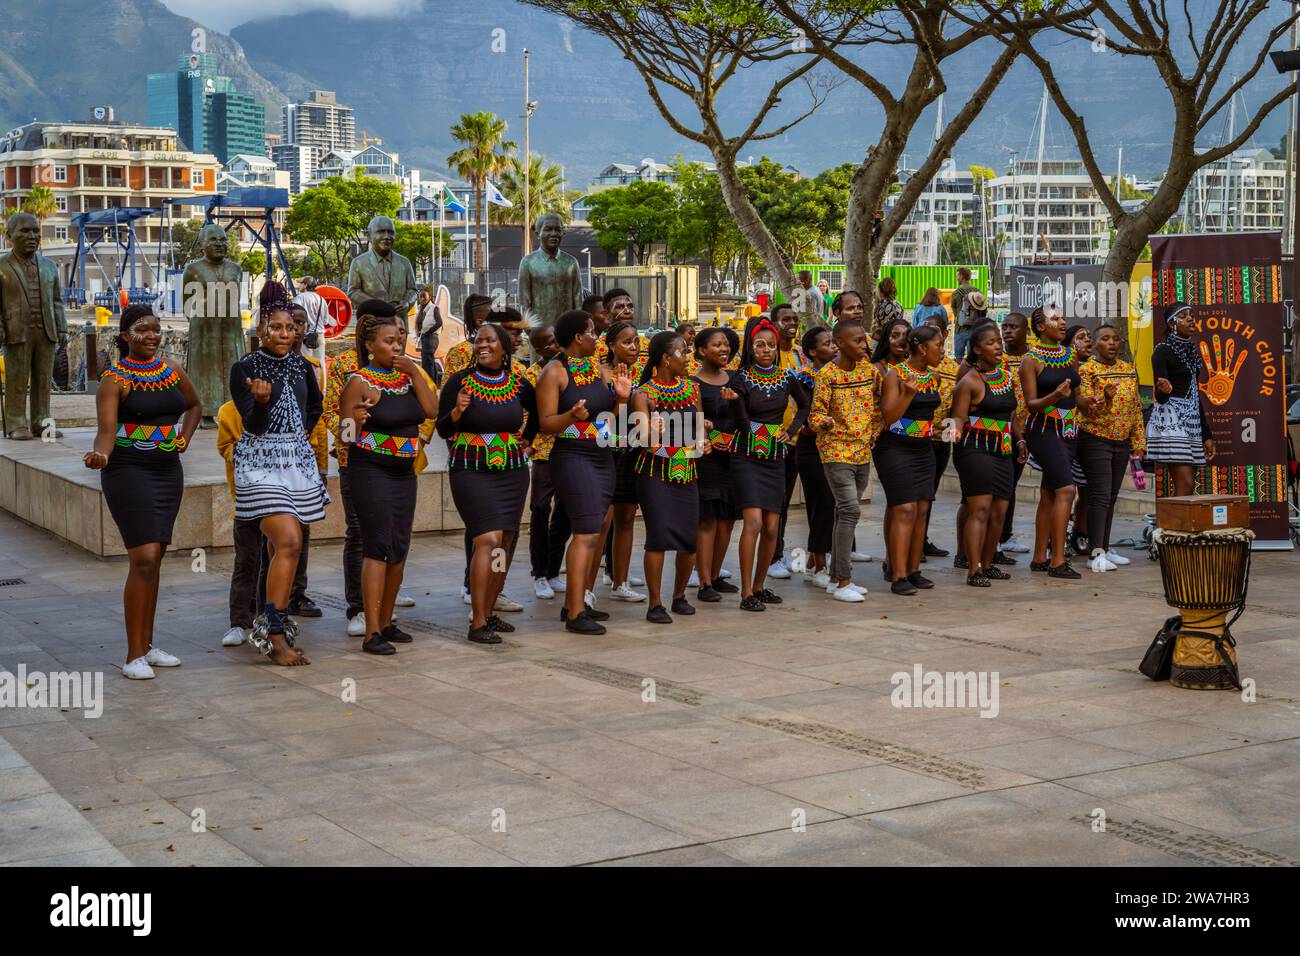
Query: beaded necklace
{"x": 1057, "y": 356}
{"x": 152, "y": 374}
{"x": 767, "y": 380}
{"x": 925, "y": 381}
{"x": 678, "y": 394}
{"x": 390, "y": 382}
{"x": 999, "y": 381}
{"x": 493, "y": 388}
{"x": 583, "y": 371}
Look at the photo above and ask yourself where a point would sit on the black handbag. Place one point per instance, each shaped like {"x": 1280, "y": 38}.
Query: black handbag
{"x": 1158, "y": 661}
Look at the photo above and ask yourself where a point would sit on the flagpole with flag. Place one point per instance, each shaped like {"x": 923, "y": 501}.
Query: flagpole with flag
{"x": 494, "y": 198}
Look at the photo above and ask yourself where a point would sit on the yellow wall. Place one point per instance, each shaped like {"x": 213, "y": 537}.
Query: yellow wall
{"x": 1141, "y": 331}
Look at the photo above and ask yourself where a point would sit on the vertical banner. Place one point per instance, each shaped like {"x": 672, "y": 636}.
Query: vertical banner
{"x": 1233, "y": 281}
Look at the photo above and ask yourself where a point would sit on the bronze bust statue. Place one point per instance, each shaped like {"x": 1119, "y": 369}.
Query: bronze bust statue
{"x": 550, "y": 283}
{"x": 210, "y": 292}
{"x": 381, "y": 273}
{"x": 32, "y": 329}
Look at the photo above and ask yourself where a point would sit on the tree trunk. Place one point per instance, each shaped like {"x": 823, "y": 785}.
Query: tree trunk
{"x": 751, "y": 224}
{"x": 1131, "y": 236}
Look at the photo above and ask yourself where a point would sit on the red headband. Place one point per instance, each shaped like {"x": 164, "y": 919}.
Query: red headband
{"x": 762, "y": 324}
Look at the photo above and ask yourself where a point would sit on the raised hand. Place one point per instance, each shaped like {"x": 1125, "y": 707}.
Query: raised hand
{"x": 622, "y": 382}
{"x": 406, "y": 365}
{"x": 261, "y": 390}
{"x": 1062, "y": 390}
{"x": 579, "y": 410}
{"x": 728, "y": 394}
{"x": 1163, "y": 386}
{"x": 909, "y": 387}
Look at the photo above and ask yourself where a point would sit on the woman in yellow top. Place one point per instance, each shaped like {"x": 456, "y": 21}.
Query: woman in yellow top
{"x": 1110, "y": 433}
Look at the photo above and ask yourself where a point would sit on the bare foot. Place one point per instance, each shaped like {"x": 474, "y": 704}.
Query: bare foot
{"x": 284, "y": 655}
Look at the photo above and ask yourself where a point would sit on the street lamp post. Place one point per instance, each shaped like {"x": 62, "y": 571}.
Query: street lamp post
{"x": 529, "y": 106}
{"x": 587, "y": 253}
{"x": 1288, "y": 61}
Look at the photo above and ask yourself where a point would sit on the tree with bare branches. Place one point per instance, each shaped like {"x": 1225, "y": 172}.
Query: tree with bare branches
{"x": 1190, "y": 55}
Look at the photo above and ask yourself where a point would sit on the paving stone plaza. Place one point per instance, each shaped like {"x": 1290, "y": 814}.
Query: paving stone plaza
{"x": 725, "y": 739}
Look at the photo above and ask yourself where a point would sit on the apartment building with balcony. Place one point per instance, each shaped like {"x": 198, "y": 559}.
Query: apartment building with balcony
{"x": 1070, "y": 223}
{"x": 1244, "y": 192}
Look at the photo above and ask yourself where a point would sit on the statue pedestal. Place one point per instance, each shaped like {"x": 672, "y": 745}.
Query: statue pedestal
{"x": 46, "y": 485}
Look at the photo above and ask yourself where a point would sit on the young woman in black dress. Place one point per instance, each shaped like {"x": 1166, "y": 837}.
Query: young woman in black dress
{"x": 387, "y": 399}
{"x": 904, "y": 454}
{"x": 985, "y": 405}
{"x": 763, "y": 391}
{"x": 137, "y": 451}
{"x": 890, "y": 349}
{"x": 277, "y": 479}
{"x": 819, "y": 504}
{"x": 1049, "y": 378}
{"x": 576, "y": 399}
{"x": 623, "y": 349}
{"x": 666, "y": 481}
{"x": 482, "y": 414}
{"x": 714, "y": 348}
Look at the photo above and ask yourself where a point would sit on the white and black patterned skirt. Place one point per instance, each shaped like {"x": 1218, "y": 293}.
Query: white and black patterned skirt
{"x": 1174, "y": 432}
{"x": 276, "y": 474}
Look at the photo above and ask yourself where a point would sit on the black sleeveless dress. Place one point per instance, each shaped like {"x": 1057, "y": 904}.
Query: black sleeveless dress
{"x": 143, "y": 480}
{"x": 487, "y": 469}
{"x": 717, "y": 492}
{"x": 758, "y": 460}
{"x": 984, "y": 456}
{"x": 582, "y": 461}
{"x": 1050, "y": 433}
{"x": 903, "y": 455}
{"x": 381, "y": 463}
{"x": 667, "y": 472}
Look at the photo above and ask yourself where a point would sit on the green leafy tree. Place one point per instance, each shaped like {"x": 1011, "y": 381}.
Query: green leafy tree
{"x": 415, "y": 241}
{"x": 484, "y": 155}
{"x": 40, "y": 203}
{"x": 635, "y": 217}
{"x": 331, "y": 219}
{"x": 184, "y": 234}
{"x": 546, "y": 192}
{"x": 703, "y": 227}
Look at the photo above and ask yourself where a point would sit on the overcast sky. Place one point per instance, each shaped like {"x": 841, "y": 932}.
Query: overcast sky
{"x": 230, "y": 13}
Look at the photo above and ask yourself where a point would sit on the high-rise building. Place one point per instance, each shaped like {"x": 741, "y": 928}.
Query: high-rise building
{"x": 1243, "y": 192}
{"x": 181, "y": 100}
{"x": 320, "y": 121}
{"x": 948, "y": 204}
{"x": 298, "y": 161}
{"x": 236, "y": 124}
{"x": 1070, "y": 224}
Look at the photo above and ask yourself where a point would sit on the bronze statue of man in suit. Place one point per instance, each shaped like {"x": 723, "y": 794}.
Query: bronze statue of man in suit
{"x": 33, "y": 327}
{"x": 550, "y": 282}
{"x": 381, "y": 273}
{"x": 210, "y": 294}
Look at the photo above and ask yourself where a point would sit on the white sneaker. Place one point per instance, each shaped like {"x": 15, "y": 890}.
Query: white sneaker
{"x": 234, "y": 637}
{"x": 821, "y": 579}
{"x": 1117, "y": 559}
{"x": 858, "y": 557}
{"x": 557, "y": 584}
{"x": 403, "y": 600}
{"x": 847, "y": 594}
{"x": 542, "y": 589}
{"x": 1099, "y": 562}
{"x": 357, "y": 624}
{"x": 589, "y": 598}
{"x": 857, "y": 587}
{"x": 138, "y": 669}
{"x": 635, "y": 581}
{"x": 778, "y": 570}
{"x": 694, "y": 580}
{"x": 724, "y": 574}
{"x": 160, "y": 658}
{"x": 624, "y": 592}
{"x": 605, "y": 579}
{"x": 1012, "y": 546}
{"x": 464, "y": 596}
{"x": 505, "y": 604}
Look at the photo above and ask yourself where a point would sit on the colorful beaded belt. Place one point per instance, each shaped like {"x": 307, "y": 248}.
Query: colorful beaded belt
{"x": 398, "y": 446}
{"x": 912, "y": 428}
{"x": 988, "y": 434}
{"x": 763, "y": 441}
{"x": 722, "y": 441}
{"x": 1064, "y": 420}
{"x": 494, "y": 450}
{"x": 588, "y": 431}
{"x": 669, "y": 462}
{"x": 149, "y": 437}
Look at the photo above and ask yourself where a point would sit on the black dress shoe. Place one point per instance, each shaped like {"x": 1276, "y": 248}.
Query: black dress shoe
{"x": 885, "y": 571}
{"x": 500, "y": 626}
{"x": 996, "y": 574}
{"x": 752, "y": 603}
{"x": 708, "y": 594}
{"x": 682, "y": 606}
{"x": 768, "y": 597}
{"x": 917, "y": 579}
{"x": 1040, "y": 565}
{"x": 723, "y": 586}
{"x": 903, "y": 586}
{"x": 484, "y": 635}
{"x": 931, "y": 550}
{"x": 395, "y": 635}
{"x": 961, "y": 561}
{"x": 304, "y": 607}
{"x": 375, "y": 644}
{"x": 1000, "y": 558}
{"x": 978, "y": 580}
{"x": 657, "y": 615}
{"x": 588, "y": 611}
{"x": 582, "y": 624}
{"x": 1063, "y": 570}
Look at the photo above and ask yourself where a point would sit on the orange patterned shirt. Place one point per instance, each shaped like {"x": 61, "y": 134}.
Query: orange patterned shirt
{"x": 848, "y": 401}
{"x": 1119, "y": 419}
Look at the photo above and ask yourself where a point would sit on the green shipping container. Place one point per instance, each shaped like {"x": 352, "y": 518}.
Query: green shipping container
{"x": 912, "y": 281}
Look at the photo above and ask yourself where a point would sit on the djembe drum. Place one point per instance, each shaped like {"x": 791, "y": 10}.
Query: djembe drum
{"x": 1205, "y": 575}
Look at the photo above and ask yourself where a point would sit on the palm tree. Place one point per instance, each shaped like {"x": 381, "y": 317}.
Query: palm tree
{"x": 546, "y": 192}
{"x": 40, "y": 203}
{"x": 484, "y": 155}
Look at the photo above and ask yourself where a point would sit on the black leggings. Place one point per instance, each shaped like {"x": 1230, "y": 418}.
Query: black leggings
{"x": 818, "y": 501}
{"x": 1018, "y": 469}
{"x": 1103, "y": 462}
{"x": 942, "y": 455}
